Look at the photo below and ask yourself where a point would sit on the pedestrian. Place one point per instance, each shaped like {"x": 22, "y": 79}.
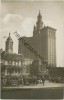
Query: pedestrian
{"x": 22, "y": 81}
{"x": 33, "y": 80}
{"x": 36, "y": 81}
{"x": 43, "y": 80}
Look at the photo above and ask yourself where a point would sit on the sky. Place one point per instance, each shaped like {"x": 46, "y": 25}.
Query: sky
{"x": 21, "y": 16}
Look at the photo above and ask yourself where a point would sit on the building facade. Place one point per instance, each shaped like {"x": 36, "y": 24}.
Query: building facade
{"x": 11, "y": 63}
{"x": 43, "y": 42}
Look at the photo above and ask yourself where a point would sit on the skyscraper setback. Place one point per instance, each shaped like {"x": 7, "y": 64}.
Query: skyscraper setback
{"x": 43, "y": 42}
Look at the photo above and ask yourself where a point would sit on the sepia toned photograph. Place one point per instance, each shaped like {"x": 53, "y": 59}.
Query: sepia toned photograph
{"x": 32, "y": 49}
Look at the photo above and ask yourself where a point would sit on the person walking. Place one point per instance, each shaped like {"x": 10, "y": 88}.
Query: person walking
{"x": 22, "y": 81}
{"x": 43, "y": 80}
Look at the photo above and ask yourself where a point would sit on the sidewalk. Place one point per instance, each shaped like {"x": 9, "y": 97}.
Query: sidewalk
{"x": 46, "y": 85}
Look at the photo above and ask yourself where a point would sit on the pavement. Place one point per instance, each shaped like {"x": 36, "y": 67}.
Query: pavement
{"x": 48, "y": 91}
{"x": 46, "y": 85}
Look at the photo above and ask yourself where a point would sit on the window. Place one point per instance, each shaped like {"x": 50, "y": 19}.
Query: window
{"x": 15, "y": 70}
{"x": 6, "y": 63}
{"x": 13, "y": 63}
{"x": 9, "y": 62}
{"x": 16, "y": 63}
{"x": 19, "y": 63}
{"x": 3, "y": 61}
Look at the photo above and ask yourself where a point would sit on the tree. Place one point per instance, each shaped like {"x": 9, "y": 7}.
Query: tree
{"x": 34, "y": 69}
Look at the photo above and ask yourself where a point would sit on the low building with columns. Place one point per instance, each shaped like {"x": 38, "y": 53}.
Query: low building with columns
{"x": 11, "y": 63}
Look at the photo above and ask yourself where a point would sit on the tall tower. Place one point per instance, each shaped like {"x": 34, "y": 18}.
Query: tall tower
{"x": 9, "y": 45}
{"x": 37, "y": 34}
{"x": 44, "y": 41}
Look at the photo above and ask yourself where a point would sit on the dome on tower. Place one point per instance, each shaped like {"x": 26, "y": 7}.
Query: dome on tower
{"x": 9, "y": 38}
{"x": 40, "y": 16}
{"x": 9, "y": 45}
{"x": 39, "y": 22}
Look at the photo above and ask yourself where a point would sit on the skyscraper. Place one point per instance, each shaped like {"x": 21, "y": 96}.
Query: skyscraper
{"x": 43, "y": 42}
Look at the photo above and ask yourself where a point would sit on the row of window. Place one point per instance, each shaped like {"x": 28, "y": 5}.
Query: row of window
{"x": 51, "y": 42}
{"x": 14, "y": 63}
{"x": 12, "y": 71}
{"x": 51, "y": 33}
{"x": 27, "y": 62}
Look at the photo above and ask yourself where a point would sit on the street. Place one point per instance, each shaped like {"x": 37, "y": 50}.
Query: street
{"x": 46, "y": 85}
{"x": 48, "y": 91}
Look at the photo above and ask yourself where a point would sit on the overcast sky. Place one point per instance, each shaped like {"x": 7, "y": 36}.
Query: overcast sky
{"x": 22, "y": 15}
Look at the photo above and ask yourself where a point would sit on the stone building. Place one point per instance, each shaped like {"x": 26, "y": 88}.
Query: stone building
{"x": 43, "y": 42}
{"x": 11, "y": 63}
